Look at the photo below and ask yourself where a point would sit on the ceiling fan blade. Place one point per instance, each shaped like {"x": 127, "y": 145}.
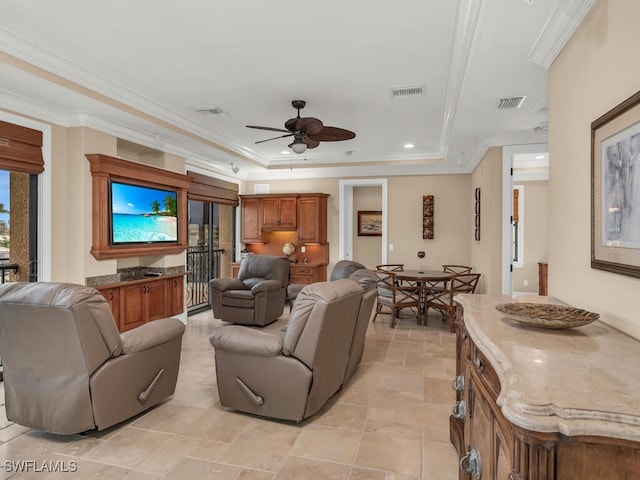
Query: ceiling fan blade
{"x": 310, "y": 143}
{"x": 332, "y": 134}
{"x": 268, "y": 128}
{"x": 308, "y": 125}
{"x": 274, "y": 138}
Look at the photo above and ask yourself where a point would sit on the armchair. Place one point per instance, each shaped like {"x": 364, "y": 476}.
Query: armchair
{"x": 67, "y": 369}
{"x": 290, "y": 376}
{"x": 257, "y": 296}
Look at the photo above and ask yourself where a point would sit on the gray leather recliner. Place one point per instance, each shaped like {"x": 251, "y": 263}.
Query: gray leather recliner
{"x": 67, "y": 369}
{"x": 291, "y": 375}
{"x": 257, "y": 296}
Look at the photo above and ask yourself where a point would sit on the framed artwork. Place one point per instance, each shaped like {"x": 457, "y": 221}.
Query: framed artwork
{"x": 477, "y": 213}
{"x": 369, "y": 223}
{"x": 427, "y": 217}
{"x": 615, "y": 189}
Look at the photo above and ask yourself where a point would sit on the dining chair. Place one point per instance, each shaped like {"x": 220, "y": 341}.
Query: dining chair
{"x": 456, "y": 268}
{"x": 396, "y": 296}
{"x": 390, "y": 267}
{"x": 441, "y": 296}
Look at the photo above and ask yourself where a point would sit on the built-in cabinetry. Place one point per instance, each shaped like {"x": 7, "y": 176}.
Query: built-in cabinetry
{"x": 304, "y": 213}
{"x": 543, "y": 404}
{"x": 279, "y": 212}
{"x": 137, "y": 302}
{"x": 302, "y": 274}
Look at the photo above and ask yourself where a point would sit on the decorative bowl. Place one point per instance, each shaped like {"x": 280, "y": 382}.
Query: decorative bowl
{"x": 546, "y": 315}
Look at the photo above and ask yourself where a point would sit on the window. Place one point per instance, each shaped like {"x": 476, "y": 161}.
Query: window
{"x": 517, "y": 231}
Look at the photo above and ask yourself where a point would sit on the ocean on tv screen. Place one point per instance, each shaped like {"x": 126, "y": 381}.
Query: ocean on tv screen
{"x": 143, "y": 228}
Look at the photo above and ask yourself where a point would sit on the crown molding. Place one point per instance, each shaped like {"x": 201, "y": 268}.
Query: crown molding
{"x": 468, "y": 16}
{"x": 564, "y": 20}
{"x": 55, "y": 68}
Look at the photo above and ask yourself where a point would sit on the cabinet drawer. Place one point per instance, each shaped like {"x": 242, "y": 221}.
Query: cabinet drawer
{"x": 301, "y": 271}
{"x": 487, "y": 374}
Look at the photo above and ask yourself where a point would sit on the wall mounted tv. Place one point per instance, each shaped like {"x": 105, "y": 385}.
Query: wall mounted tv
{"x": 142, "y": 215}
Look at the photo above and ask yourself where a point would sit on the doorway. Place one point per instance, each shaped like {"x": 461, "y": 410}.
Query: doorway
{"x": 347, "y": 215}
{"x": 210, "y": 227}
{"x": 525, "y": 217}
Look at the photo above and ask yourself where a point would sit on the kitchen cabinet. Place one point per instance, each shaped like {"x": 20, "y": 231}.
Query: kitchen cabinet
{"x": 550, "y": 417}
{"x": 137, "y": 302}
{"x": 279, "y": 212}
{"x": 251, "y": 213}
{"x": 306, "y": 274}
{"x": 312, "y": 218}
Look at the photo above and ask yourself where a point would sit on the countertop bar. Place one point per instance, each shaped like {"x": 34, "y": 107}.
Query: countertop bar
{"x": 579, "y": 381}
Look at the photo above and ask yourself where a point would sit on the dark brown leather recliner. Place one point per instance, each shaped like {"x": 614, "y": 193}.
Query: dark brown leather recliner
{"x": 257, "y": 296}
{"x": 291, "y": 375}
{"x": 67, "y": 369}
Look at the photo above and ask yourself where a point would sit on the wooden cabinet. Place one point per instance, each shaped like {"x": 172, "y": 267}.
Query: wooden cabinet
{"x": 492, "y": 447}
{"x": 306, "y": 214}
{"x": 306, "y": 274}
{"x": 140, "y": 301}
{"x": 312, "y": 218}
{"x": 251, "y": 213}
{"x": 279, "y": 213}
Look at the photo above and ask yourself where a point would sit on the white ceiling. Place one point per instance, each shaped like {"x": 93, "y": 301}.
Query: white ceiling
{"x": 140, "y": 70}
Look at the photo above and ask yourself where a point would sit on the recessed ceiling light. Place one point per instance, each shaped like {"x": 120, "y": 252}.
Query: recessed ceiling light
{"x": 409, "y": 145}
{"x": 540, "y": 157}
{"x": 285, "y": 152}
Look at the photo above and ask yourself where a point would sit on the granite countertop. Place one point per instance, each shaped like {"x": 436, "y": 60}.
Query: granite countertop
{"x": 579, "y": 381}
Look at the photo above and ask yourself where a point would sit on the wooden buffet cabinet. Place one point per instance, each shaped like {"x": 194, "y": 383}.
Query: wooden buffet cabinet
{"x": 137, "y": 302}
{"x": 543, "y": 404}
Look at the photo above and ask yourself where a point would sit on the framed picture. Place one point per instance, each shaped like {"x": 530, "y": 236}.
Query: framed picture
{"x": 427, "y": 217}
{"x": 615, "y": 189}
{"x": 369, "y": 223}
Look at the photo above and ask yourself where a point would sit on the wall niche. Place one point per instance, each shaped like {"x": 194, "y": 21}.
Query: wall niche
{"x": 106, "y": 169}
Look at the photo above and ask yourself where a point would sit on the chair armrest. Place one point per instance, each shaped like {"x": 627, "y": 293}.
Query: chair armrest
{"x": 151, "y": 335}
{"x": 266, "y": 286}
{"x": 222, "y": 284}
{"x": 249, "y": 341}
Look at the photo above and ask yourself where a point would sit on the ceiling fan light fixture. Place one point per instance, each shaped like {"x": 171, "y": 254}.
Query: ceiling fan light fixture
{"x": 298, "y": 146}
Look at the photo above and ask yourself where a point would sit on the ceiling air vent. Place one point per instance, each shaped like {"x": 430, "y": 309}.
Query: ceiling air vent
{"x": 404, "y": 92}
{"x": 510, "y": 102}
{"x": 211, "y": 111}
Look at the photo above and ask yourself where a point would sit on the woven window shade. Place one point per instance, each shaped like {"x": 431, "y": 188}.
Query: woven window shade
{"x": 209, "y": 189}
{"x": 20, "y": 149}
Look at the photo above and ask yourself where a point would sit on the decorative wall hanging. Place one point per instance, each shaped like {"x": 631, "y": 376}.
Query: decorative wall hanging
{"x": 615, "y": 189}
{"x": 370, "y": 223}
{"x": 427, "y": 217}
{"x": 477, "y": 231}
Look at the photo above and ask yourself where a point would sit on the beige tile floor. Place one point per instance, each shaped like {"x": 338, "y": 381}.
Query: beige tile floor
{"x": 389, "y": 423}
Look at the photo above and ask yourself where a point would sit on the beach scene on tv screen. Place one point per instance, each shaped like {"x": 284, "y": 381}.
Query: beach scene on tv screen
{"x": 141, "y": 214}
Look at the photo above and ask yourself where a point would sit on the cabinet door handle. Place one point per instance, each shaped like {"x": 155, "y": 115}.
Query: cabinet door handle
{"x": 111, "y": 296}
{"x": 479, "y": 363}
{"x": 470, "y": 463}
{"x": 458, "y": 383}
{"x": 459, "y": 410}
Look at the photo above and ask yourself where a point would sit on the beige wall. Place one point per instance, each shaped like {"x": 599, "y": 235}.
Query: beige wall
{"x": 486, "y": 255}
{"x": 536, "y": 221}
{"x": 453, "y": 216}
{"x": 596, "y": 70}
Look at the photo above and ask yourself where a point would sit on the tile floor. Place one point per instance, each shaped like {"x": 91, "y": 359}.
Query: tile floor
{"x": 389, "y": 423}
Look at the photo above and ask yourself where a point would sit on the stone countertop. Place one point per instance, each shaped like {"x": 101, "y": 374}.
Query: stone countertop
{"x": 579, "y": 381}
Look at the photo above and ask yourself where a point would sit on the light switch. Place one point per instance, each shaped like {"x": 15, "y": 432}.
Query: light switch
{"x": 391, "y": 247}
{"x": 303, "y": 249}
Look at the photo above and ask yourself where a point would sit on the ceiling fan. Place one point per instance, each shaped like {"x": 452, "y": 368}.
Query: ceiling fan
{"x": 307, "y": 132}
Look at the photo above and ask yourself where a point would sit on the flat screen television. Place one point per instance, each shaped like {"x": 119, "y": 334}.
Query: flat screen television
{"x": 142, "y": 215}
